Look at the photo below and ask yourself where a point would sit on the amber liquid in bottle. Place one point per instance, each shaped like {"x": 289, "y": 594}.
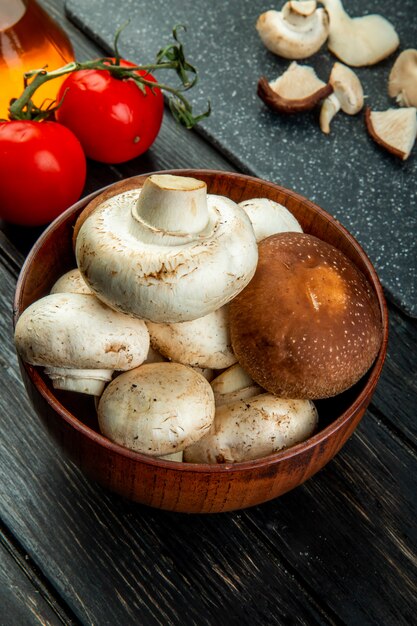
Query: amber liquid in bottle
{"x": 29, "y": 39}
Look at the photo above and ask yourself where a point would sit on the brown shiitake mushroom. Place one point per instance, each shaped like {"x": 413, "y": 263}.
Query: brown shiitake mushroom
{"x": 297, "y": 89}
{"x": 394, "y": 130}
{"x": 308, "y": 324}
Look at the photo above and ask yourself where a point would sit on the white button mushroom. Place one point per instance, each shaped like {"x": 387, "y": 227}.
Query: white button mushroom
{"x": 359, "y": 41}
{"x": 254, "y": 428}
{"x": 269, "y": 217}
{"x": 204, "y": 342}
{"x": 295, "y": 32}
{"x": 168, "y": 253}
{"x": 347, "y": 95}
{"x": 157, "y": 409}
{"x": 394, "y": 130}
{"x": 297, "y": 89}
{"x": 234, "y": 384}
{"x": 402, "y": 81}
{"x": 71, "y": 282}
{"x": 80, "y": 341}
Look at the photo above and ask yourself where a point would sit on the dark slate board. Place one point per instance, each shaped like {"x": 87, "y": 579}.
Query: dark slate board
{"x": 369, "y": 191}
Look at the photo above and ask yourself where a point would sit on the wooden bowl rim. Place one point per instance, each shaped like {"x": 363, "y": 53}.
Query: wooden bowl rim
{"x": 362, "y": 399}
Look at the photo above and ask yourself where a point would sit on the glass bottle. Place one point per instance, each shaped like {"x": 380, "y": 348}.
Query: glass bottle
{"x": 29, "y": 39}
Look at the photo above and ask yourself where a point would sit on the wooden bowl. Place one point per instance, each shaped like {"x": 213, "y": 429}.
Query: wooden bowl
{"x": 71, "y": 418}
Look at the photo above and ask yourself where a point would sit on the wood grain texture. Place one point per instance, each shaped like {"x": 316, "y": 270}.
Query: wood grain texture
{"x": 20, "y": 602}
{"x": 25, "y": 596}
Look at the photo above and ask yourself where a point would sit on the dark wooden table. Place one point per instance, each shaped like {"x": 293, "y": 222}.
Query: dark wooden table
{"x": 341, "y": 549}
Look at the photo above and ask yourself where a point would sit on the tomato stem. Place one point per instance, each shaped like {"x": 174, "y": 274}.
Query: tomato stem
{"x": 169, "y": 58}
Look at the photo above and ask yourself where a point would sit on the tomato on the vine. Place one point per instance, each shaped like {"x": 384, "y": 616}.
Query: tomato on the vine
{"x": 42, "y": 171}
{"x": 113, "y": 119}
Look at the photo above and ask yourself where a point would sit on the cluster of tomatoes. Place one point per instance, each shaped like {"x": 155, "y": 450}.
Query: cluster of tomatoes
{"x": 43, "y": 164}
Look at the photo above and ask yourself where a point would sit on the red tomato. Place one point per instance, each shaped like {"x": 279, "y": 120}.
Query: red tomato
{"x": 42, "y": 171}
{"x": 111, "y": 117}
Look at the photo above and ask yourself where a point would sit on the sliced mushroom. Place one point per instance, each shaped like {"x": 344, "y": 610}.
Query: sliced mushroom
{"x": 297, "y": 89}
{"x": 359, "y": 41}
{"x": 167, "y": 253}
{"x": 71, "y": 282}
{"x": 402, "y": 81}
{"x": 254, "y": 428}
{"x": 79, "y": 341}
{"x": 295, "y": 32}
{"x": 204, "y": 342}
{"x": 157, "y": 409}
{"x": 308, "y": 323}
{"x": 232, "y": 385}
{"x": 393, "y": 129}
{"x": 347, "y": 95}
{"x": 269, "y": 217}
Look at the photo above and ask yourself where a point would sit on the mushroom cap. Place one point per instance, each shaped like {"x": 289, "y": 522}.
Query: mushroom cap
{"x": 268, "y": 217}
{"x": 254, "y": 428}
{"x": 402, "y": 81}
{"x": 157, "y": 409}
{"x": 295, "y": 32}
{"x": 297, "y": 89}
{"x": 347, "y": 95}
{"x": 204, "y": 342}
{"x": 359, "y": 41}
{"x": 393, "y": 129}
{"x": 234, "y": 384}
{"x": 72, "y": 330}
{"x": 71, "y": 282}
{"x": 347, "y": 88}
{"x": 308, "y": 324}
{"x": 144, "y": 270}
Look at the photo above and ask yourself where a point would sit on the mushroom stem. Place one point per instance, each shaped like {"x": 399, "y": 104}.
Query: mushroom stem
{"x": 88, "y": 381}
{"x": 330, "y": 107}
{"x": 172, "y": 204}
{"x": 359, "y": 41}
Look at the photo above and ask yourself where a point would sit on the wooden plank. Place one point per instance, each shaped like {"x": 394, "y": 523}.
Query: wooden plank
{"x": 396, "y": 394}
{"x": 264, "y": 565}
{"x": 354, "y": 536}
{"x": 21, "y": 601}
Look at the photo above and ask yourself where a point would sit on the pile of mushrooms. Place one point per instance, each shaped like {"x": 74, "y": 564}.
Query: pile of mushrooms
{"x": 163, "y": 316}
{"x": 300, "y": 29}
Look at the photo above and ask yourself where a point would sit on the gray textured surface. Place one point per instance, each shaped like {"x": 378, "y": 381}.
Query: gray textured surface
{"x": 370, "y": 192}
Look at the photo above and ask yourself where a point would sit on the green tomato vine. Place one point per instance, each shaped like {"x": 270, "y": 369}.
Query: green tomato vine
{"x": 171, "y": 57}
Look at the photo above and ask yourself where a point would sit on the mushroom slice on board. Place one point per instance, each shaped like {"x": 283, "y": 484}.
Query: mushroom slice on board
{"x": 71, "y": 282}
{"x": 169, "y": 252}
{"x": 297, "y": 89}
{"x": 204, "y": 342}
{"x": 234, "y": 384}
{"x": 79, "y": 341}
{"x": 393, "y": 129}
{"x": 308, "y": 324}
{"x": 254, "y": 428}
{"x": 347, "y": 95}
{"x": 295, "y": 32}
{"x": 359, "y": 41}
{"x": 269, "y": 217}
{"x": 402, "y": 81}
{"x": 157, "y": 409}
